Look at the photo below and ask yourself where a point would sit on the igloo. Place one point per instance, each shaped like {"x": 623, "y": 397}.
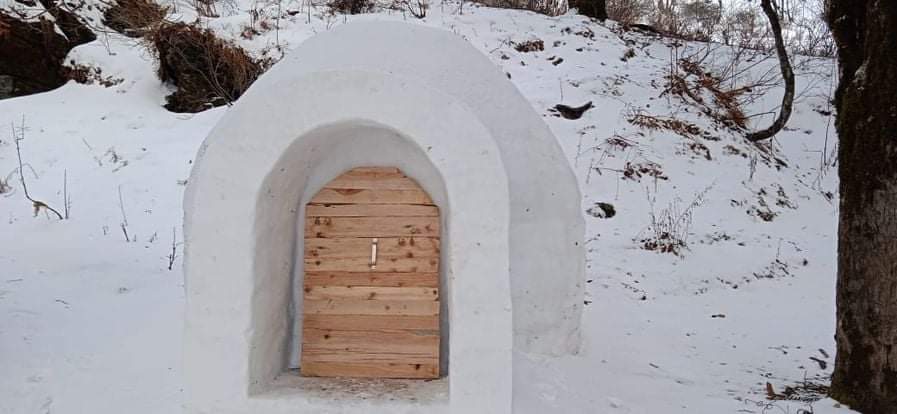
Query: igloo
{"x": 384, "y": 207}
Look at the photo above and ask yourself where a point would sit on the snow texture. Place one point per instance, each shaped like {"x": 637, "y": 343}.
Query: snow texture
{"x": 92, "y": 322}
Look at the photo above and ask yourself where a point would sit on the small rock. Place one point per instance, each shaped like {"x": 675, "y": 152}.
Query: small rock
{"x": 602, "y": 210}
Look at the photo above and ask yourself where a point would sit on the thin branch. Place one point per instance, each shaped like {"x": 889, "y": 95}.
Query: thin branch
{"x": 38, "y": 205}
{"x": 174, "y": 251}
{"x": 121, "y": 206}
{"x": 65, "y": 193}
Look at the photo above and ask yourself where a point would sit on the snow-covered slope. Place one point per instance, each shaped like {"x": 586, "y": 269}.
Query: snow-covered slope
{"x": 90, "y": 314}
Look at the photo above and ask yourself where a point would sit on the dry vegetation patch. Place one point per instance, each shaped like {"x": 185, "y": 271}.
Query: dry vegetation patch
{"x": 134, "y": 18}
{"x": 207, "y": 71}
{"x": 351, "y": 6}
{"x": 725, "y": 106}
{"x": 683, "y": 128}
{"x": 536, "y": 45}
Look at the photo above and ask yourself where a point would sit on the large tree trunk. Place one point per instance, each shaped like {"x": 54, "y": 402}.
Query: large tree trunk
{"x": 865, "y": 374}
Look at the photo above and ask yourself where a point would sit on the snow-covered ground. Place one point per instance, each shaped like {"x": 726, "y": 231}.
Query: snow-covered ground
{"x": 91, "y": 321}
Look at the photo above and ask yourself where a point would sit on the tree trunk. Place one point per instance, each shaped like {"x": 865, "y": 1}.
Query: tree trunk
{"x": 865, "y": 375}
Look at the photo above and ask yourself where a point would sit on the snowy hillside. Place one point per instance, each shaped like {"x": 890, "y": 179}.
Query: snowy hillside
{"x": 91, "y": 307}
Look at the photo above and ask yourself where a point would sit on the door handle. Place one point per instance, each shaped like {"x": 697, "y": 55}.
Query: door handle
{"x": 374, "y": 253}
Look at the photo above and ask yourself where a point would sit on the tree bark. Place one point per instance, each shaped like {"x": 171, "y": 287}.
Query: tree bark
{"x": 865, "y": 375}
{"x": 787, "y": 75}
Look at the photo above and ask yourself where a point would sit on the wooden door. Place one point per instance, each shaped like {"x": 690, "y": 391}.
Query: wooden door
{"x": 371, "y": 301}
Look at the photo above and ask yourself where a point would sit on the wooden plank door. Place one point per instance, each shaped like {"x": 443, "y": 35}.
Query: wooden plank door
{"x": 371, "y": 301}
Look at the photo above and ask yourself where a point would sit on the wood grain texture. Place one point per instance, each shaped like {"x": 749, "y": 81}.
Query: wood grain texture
{"x": 371, "y": 307}
{"x": 369, "y": 227}
{"x": 339, "y": 248}
{"x": 315, "y": 354}
{"x": 385, "y": 340}
{"x": 371, "y": 210}
{"x": 371, "y": 293}
{"x": 364, "y": 321}
{"x": 341, "y": 278}
{"x": 384, "y": 264}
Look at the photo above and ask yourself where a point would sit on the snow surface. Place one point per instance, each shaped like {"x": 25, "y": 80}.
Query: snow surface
{"x": 92, "y": 323}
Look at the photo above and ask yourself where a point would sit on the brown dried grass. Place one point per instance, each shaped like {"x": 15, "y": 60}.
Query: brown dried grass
{"x": 207, "y": 71}
{"x": 134, "y": 18}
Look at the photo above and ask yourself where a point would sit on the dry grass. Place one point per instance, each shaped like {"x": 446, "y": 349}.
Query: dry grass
{"x": 134, "y": 18}
{"x": 725, "y": 99}
{"x": 207, "y": 71}
{"x": 351, "y": 6}
{"x": 670, "y": 227}
{"x": 89, "y": 75}
{"x": 683, "y": 128}
{"x": 536, "y": 45}
{"x": 636, "y": 170}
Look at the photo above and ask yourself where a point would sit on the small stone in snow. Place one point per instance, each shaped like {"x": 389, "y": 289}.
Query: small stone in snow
{"x": 602, "y": 210}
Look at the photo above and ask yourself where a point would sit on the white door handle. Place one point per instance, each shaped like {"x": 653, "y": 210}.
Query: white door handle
{"x": 373, "y": 253}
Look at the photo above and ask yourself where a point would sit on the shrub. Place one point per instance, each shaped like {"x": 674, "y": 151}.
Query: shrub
{"x": 627, "y": 11}
{"x": 206, "y": 70}
{"x": 134, "y": 18}
{"x": 351, "y": 6}
{"x": 547, "y": 7}
{"x": 591, "y": 8}
{"x": 669, "y": 229}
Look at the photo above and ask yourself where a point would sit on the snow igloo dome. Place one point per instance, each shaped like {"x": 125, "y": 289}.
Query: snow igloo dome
{"x": 378, "y": 225}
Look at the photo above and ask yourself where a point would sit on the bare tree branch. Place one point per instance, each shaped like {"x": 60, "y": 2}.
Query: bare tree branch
{"x": 787, "y": 75}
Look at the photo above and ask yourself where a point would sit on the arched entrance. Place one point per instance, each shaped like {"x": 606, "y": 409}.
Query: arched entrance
{"x": 371, "y": 283}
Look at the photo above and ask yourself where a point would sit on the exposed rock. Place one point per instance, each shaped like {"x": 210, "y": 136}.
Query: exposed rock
{"x": 602, "y": 210}
{"x": 32, "y": 53}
